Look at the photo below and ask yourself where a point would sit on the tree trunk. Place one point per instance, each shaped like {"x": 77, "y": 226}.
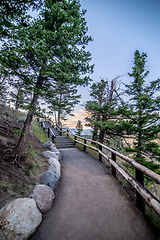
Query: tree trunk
{"x": 101, "y": 136}
{"x": 59, "y": 117}
{"x": 95, "y": 133}
{"x": 17, "y": 105}
{"x": 59, "y": 110}
{"x": 55, "y": 117}
{"x": 102, "y": 131}
{"x": 27, "y": 124}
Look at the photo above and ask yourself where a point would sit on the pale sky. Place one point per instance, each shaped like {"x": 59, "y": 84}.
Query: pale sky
{"x": 119, "y": 28}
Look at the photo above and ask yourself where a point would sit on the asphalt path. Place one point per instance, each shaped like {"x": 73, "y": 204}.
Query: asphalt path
{"x": 90, "y": 205}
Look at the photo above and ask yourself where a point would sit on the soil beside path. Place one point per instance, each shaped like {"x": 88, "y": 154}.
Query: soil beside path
{"x": 90, "y": 205}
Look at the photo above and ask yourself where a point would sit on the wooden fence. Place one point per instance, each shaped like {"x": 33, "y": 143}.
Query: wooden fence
{"x": 142, "y": 194}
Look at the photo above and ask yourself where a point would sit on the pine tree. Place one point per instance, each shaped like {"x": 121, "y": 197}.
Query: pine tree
{"x": 79, "y": 128}
{"x": 50, "y": 48}
{"x": 62, "y": 99}
{"x": 141, "y": 114}
{"x": 102, "y": 108}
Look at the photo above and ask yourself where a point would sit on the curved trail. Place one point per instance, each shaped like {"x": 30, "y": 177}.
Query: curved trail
{"x": 90, "y": 205}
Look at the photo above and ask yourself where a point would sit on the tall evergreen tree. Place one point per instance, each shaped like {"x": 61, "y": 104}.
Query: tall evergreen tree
{"x": 141, "y": 114}
{"x": 79, "y": 128}
{"x": 102, "y": 108}
{"x": 49, "y": 48}
{"x": 62, "y": 99}
{"x": 94, "y": 107}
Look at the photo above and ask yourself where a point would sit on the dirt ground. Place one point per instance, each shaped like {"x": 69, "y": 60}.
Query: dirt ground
{"x": 18, "y": 180}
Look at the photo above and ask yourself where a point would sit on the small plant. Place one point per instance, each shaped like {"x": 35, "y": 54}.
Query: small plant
{"x": 23, "y": 193}
{"x": 19, "y": 131}
{"x": 39, "y": 132}
{"x": 30, "y": 153}
{"x": 5, "y": 185}
{"x": 25, "y": 186}
{"x": 14, "y": 195}
{"x": 32, "y": 169}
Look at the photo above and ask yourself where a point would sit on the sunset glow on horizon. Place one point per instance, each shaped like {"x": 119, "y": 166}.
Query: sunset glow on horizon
{"x": 72, "y": 121}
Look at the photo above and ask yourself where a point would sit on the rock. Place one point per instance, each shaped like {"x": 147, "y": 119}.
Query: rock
{"x": 48, "y": 145}
{"x": 43, "y": 196}
{"x": 19, "y": 219}
{"x": 55, "y": 166}
{"x": 50, "y": 160}
{"x": 48, "y": 154}
{"x": 54, "y": 149}
{"x": 22, "y": 119}
{"x": 50, "y": 179}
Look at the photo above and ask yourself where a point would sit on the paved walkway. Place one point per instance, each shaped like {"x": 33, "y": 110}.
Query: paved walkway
{"x": 90, "y": 205}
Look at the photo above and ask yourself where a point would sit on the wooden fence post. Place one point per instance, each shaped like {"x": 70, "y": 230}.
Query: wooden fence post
{"x": 60, "y": 131}
{"x": 48, "y": 132}
{"x": 75, "y": 137}
{"x": 53, "y": 138}
{"x": 113, "y": 170}
{"x": 84, "y": 149}
{"x": 100, "y": 155}
{"x": 139, "y": 199}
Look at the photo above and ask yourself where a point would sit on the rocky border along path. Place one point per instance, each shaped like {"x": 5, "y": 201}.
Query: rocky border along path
{"x": 90, "y": 205}
{"x": 21, "y": 217}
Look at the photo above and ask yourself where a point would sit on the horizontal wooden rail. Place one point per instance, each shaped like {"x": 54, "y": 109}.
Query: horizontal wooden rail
{"x": 148, "y": 172}
{"x": 149, "y": 198}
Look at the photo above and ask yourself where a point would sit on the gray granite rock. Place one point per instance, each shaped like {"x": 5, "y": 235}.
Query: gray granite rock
{"x": 49, "y": 154}
{"x": 55, "y": 166}
{"x": 50, "y": 179}
{"x": 19, "y": 219}
{"x": 54, "y": 149}
{"x": 43, "y": 196}
{"x": 48, "y": 145}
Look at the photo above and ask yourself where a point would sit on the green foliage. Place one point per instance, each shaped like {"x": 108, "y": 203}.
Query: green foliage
{"x": 79, "y": 128}
{"x": 102, "y": 108}
{"x": 141, "y": 114}
{"x": 14, "y": 12}
{"x": 4, "y": 184}
{"x": 37, "y": 130}
{"x": 19, "y": 131}
{"x": 46, "y": 50}
{"x": 62, "y": 98}
{"x": 33, "y": 162}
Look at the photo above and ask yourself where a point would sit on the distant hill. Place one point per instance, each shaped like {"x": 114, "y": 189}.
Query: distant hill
{"x": 87, "y": 133}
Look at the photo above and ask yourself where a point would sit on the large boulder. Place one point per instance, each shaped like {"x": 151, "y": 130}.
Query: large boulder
{"x": 48, "y": 145}
{"x": 50, "y": 179}
{"x": 49, "y": 154}
{"x": 19, "y": 219}
{"x": 55, "y": 166}
{"x": 54, "y": 149}
{"x": 43, "y": 196}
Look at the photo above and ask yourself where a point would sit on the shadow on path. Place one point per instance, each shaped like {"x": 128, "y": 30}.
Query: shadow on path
{"x": 90, "y": 205}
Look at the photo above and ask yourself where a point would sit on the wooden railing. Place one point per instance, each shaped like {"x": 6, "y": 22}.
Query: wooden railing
{"x": 142, "y": 194}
